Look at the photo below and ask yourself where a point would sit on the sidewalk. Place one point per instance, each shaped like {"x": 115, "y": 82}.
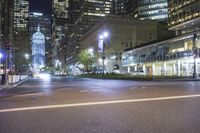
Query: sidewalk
{"x": 9, "y": 86}
{"x": 10, "y": 90}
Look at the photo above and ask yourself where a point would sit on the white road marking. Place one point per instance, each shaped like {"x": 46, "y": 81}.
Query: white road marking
{"x": 96, "y": 103}
{"x": 32, "y": 94}
{"x": 84, "y": 90}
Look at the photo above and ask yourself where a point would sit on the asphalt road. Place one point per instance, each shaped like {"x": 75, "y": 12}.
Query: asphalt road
{"x": 73, "y": 105}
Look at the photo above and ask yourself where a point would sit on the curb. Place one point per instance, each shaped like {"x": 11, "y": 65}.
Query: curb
{"x": 19, "y": 83}
{"x": 14, "y": 85}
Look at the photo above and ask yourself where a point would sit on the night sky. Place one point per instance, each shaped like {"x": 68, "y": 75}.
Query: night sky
{"x": 43, "y": 6}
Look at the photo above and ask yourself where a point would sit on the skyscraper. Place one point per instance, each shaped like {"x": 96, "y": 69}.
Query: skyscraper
{"x": 38, "y": 51}
{"x": 148, "y": 9}
{"x": 20, "y": 34}
{"x": 184, "y": 16}
{"x": 6, "y": 7}
{"x": 21, "y": 9}
{"x": 119, "y": 7}
{"x": 60, "y": 18}
{"x": 39, "y": 19}
{"x": 6, "y": 28}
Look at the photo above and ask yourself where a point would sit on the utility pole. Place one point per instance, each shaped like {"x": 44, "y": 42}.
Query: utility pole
{"x": 0, "y": 29}
{"x": 195, "y": 51}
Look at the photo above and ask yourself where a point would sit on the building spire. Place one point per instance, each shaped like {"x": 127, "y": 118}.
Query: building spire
{"x": 38, "y": 28}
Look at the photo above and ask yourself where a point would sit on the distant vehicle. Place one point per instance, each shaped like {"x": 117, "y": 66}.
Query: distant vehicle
{"x": 99, "y": 71}
{"x": 42, "y": 75}
{"x": 138, "y": 73}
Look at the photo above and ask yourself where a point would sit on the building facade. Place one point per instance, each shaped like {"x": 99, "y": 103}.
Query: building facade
{"x": 60, "y": 20}
{"x": 118, "y": 40}
{"x": 148, "y": 9}
{"x": 184, "y": 16}
{"x": 38, "y": 19}
{"x": 38, "y": 51}
{"x": 21, "y": 35}
{"x": 88, "y": 14}
{"x": 6, "y": 14}
{"x": 6, "y": 31}
{"x": 173, "y": 57}
{"x": 178, "y": 56}
{"x": 119, "y": 7}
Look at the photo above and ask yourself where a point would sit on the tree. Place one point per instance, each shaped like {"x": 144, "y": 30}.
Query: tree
{"x": 85, "y": 58}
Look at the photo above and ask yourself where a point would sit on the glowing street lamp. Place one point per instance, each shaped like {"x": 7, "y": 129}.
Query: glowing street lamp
{"x": 113, "y": 57}
{"x": 1, "y": 55}
{"x": 90, "y": 50}
{"x": 26, "y": 56}
{"x": 103, "y": 37}
{"x": 105, "y": 34}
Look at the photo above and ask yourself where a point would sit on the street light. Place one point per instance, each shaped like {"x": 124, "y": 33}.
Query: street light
{"x": 103, "y": 37}
{"x": 26, "y": 56}
{"x": 105, "y": 34}
{"x": 91, "y": 51}
{"x": 1, "y": 55}
{"x": 113, "y": 59}
{"x": 195, "y": 55}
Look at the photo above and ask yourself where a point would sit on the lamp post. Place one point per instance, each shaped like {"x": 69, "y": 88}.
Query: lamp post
{"x": 195, "y": 52}
{"x": 27, "y": 62}
{"x": 104, "y": 37}
{"x": 1, "y": 56}
{"x": 113, "y": 59}
{"x": 26, "y": 56}
{"x": 91, "y": 56}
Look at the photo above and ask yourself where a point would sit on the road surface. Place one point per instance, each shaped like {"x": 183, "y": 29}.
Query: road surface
{"x": 74, "y": 105}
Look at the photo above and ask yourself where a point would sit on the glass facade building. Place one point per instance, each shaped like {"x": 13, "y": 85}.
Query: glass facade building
{"x": 20, "y": 34}
{"x": 60, "y": 19}
{"x": 21, "y": 11}
{"x": 184, "y": 15}
{"x": 148, "y": 9}
{"x": 120, "y": 7}
{"x": 152, "y": 9}
{"x": 170, "y": 57}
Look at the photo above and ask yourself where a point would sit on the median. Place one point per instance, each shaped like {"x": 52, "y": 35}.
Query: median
{"x": 133, "y": 77}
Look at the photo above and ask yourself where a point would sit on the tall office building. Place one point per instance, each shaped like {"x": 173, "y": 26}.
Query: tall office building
{"x": 60, "y": 18}
{"x": 88, "y": 14}
{"x": 39, "y": 19}
{"x": 6, "y": 14}
{"x": 20, "y": 34}
{"x": 184, "y": 16}
{"x": 119, "y": 7}
{"x": 6, "y": 27}
{"x": 74, "y": 10}
{"x": 21, "y": 9}
{"x": 148, "y": 9}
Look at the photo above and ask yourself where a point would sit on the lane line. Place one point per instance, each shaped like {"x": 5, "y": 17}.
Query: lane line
{"x": 96, "y": 103}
